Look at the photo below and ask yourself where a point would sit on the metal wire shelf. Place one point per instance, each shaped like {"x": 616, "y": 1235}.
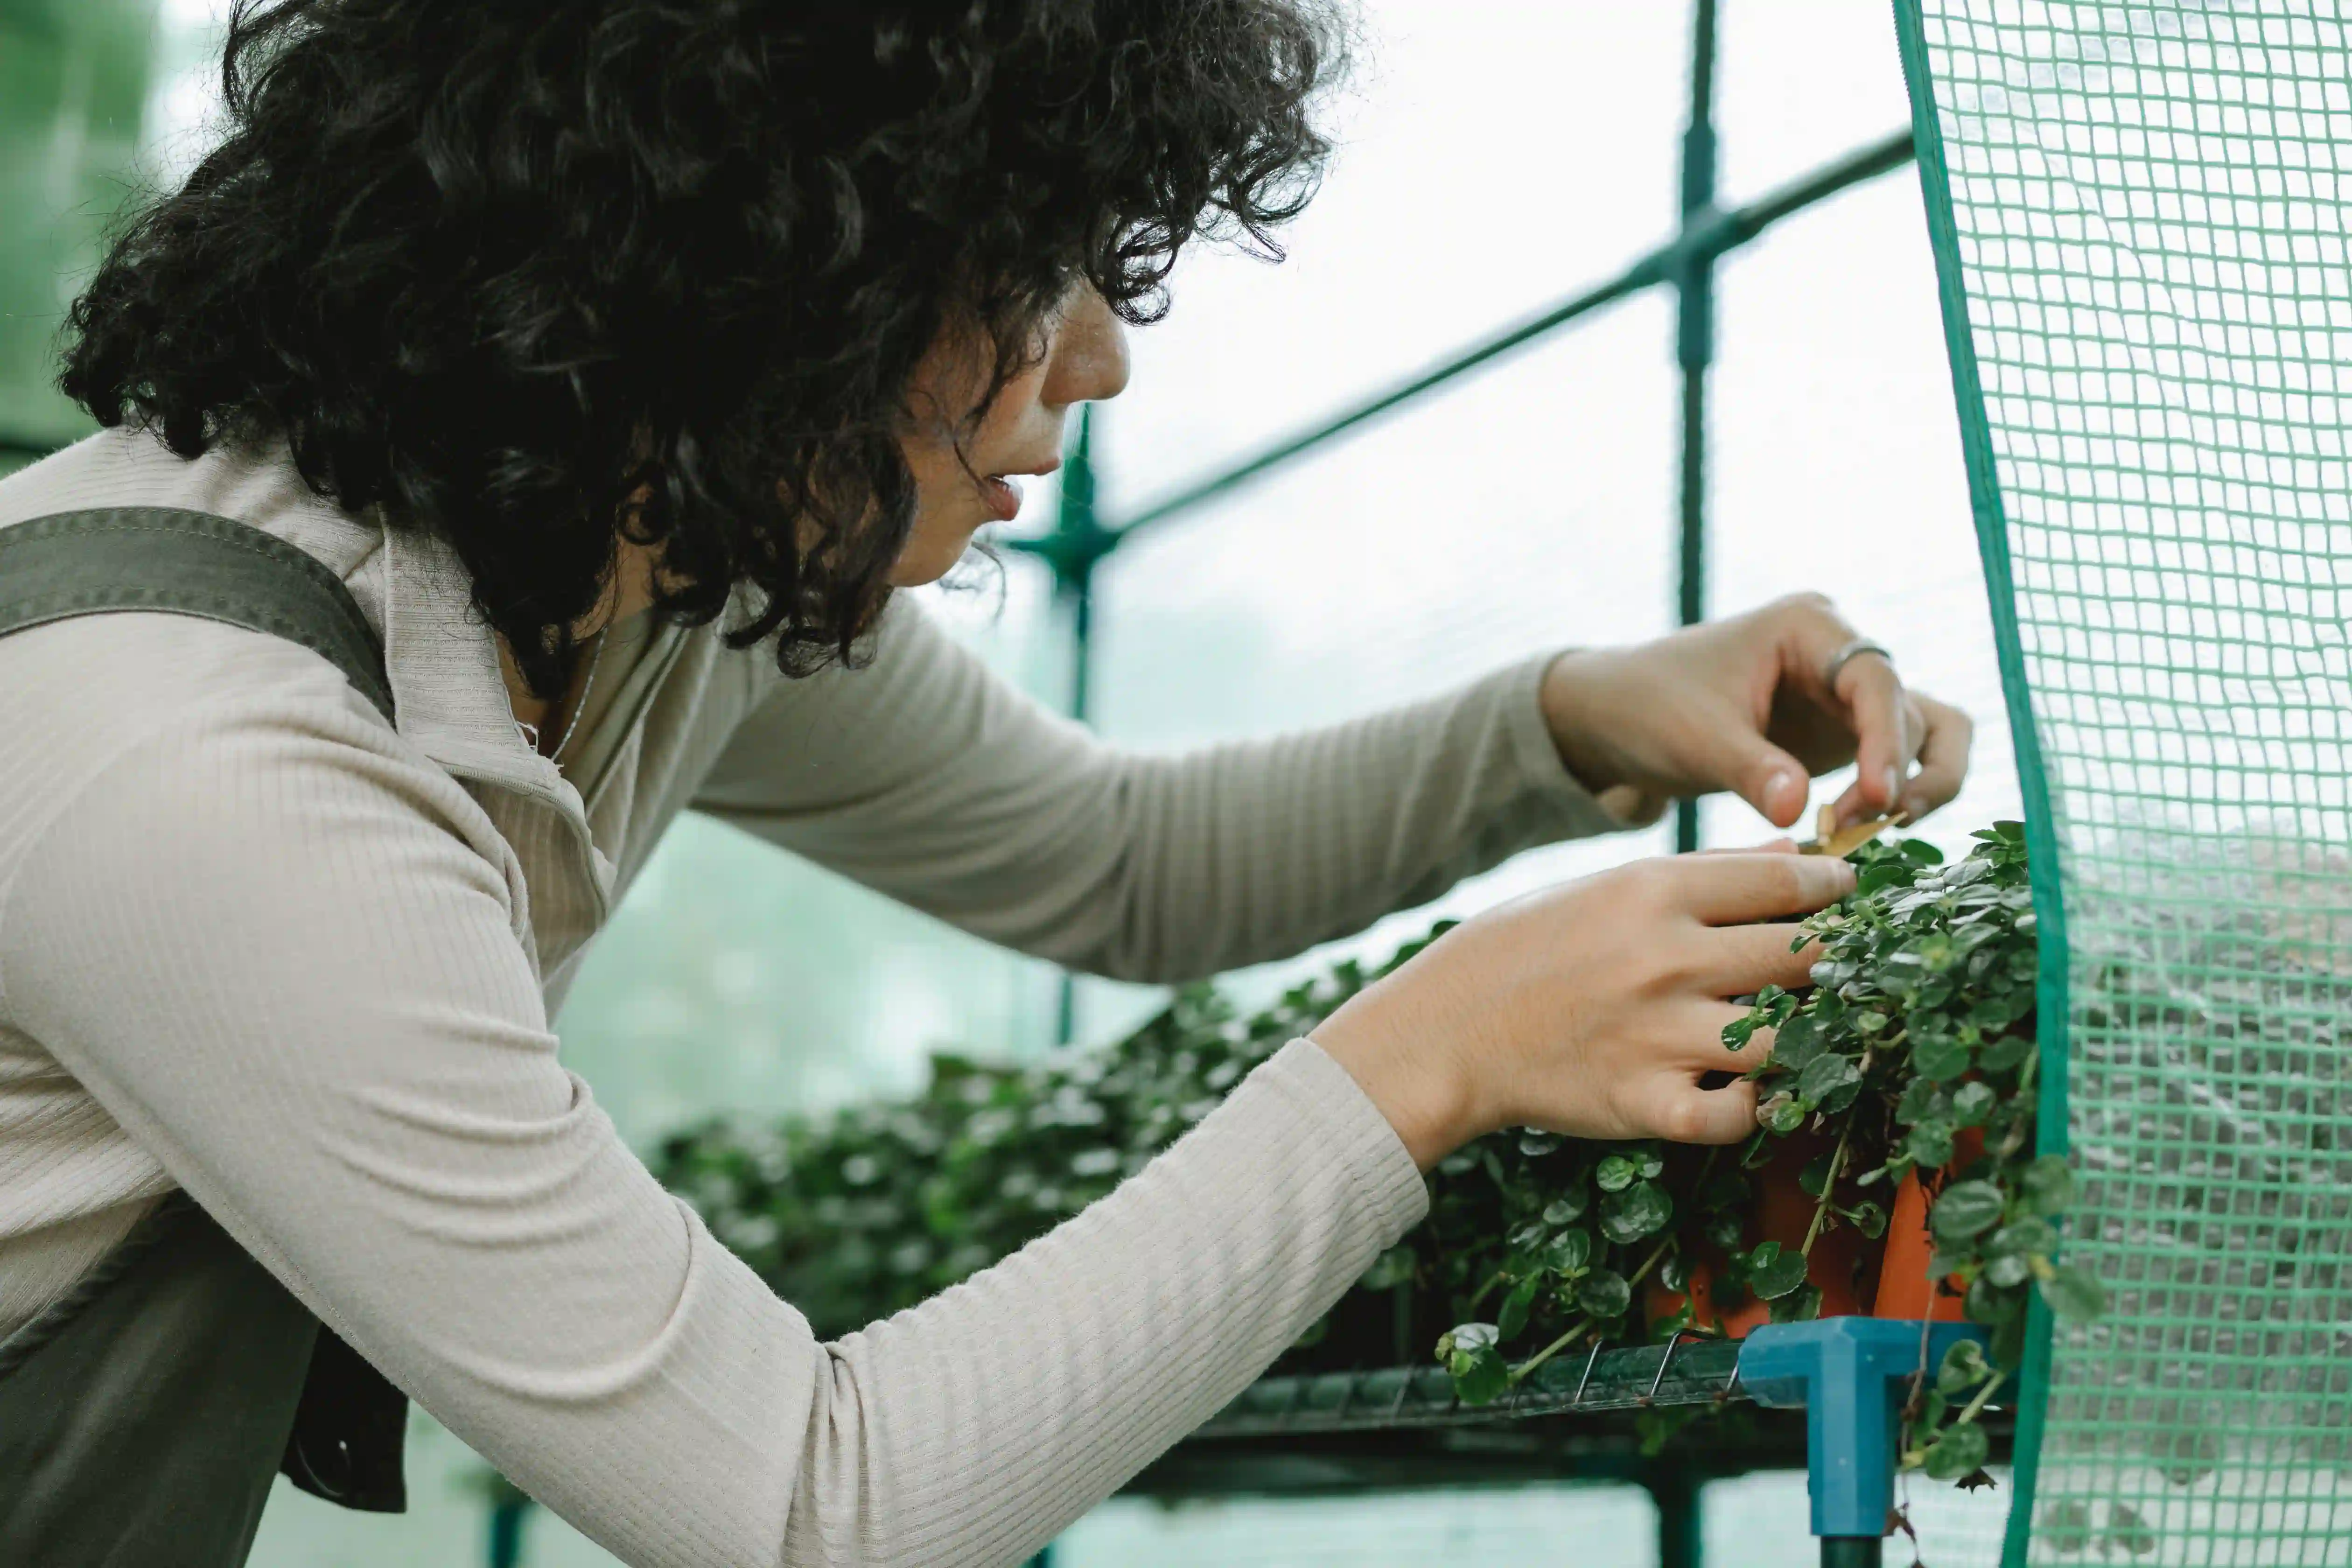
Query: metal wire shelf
{"x": 1629, "y": 1377}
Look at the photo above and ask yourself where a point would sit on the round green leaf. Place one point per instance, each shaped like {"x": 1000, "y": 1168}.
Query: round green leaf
{"x": 1963, "y": 1368}
{"x": 1615, "y": 1173}
{"x": 1567, "y": 1208}
{"x": 1960, "y": 1451}
{"x": 1773, "y": 1273}
{"x": 1463, "y": 1338}
{"x": 1480, "y": 1375}
{"x": 2026, "y": 1236}
{"x": 1940, "y": 1060}
{"x": 2006, "y": 1052}
{"x": 1921, "y": 1102}
{"x": 1604, "y": 1293}
{"x": 1885, "y": 875}
{"x": 1640, "y": 1210}
{"x": 2071, "y": 1293}
{"x": 2008, "y": 1272}
{"x": 1973, "y": 1103}
{"x": 1964, "y": 1209}
{"x": 1569, "y": 1251}
{"x": 1513, "y": 1315}
{"x": 2047, "y": 1186}
{"x": 1777, "y": 1278}
{"x": 1987, "y": 1302}
{"x": 1797, "y": 1042}
{"x": 1824, "y": 1075}
{"x": 1930, "y": 1145}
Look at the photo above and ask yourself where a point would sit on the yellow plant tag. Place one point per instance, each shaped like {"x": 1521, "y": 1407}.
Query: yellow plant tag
{"x": 1829, "y": 839}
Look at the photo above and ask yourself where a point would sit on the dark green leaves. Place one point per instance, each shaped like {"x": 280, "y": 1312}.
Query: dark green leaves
{"x": 1513, "y": 1316}
{"x": 1773, "y": 1273}
{"x": 1930, "y": 1145}
{"x": 1797, "y": 1042}
{"x": 1963, "y": 1368}
{"x": 1604, "y": 1293}
{"x": 2047, "y": 1186}
{"x": 1965, "y": 1209}
{"x": 1960, "y": 1451}
{"x": 1470, "y": 1354}
{"x": 2070, "y": 1290}
{"x": 1830, "y": 1082}
{"x": 1640, "y": 1210}
{"x": 1570, "y": 1252}
{"x": 1939, "y": 1059}
{"x": 1973, "y": 1103}
{"x": 1918, "y": 1027}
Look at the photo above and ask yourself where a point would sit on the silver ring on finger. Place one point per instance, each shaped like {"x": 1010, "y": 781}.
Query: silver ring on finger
{"x": 1847, "y": 655}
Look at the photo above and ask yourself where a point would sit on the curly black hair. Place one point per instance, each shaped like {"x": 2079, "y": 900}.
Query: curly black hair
{"x": 539, "y": 274}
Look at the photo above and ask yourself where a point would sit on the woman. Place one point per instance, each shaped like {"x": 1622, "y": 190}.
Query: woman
{"x": 618, "y": 360}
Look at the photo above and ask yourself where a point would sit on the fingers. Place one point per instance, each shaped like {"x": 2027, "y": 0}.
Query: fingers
{"x": 1739, "y": 961}
{"x": 1781, "y": 846}
{"x": 1875, "y": 704}
{"x": 1943, "y": 757}
{"x": 1943, "y": 736}
{"x": 1676, "y": 1108}
{"x": 1739, "y": 890}
{"x": 1774, "y": 784}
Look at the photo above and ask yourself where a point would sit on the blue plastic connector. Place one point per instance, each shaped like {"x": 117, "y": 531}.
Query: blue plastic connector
{"x": 1850, "y": 1376}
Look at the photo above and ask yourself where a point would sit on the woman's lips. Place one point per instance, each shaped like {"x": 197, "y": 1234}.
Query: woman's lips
{"x": 1002, "y": 494}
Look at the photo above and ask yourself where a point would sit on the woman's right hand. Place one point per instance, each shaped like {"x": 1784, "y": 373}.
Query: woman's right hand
{"x": 1592, "y": 1008}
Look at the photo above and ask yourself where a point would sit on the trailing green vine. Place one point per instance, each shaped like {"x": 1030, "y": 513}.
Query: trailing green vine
{"x": 1915, "y": 1040}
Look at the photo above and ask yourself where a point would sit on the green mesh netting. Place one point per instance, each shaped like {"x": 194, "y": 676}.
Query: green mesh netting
{"x": 2140, "y": 214}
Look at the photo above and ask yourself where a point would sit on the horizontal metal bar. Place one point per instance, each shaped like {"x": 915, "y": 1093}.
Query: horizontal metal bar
{"x": 1628, "y": 1378}
{"x": 1707, "y": 237}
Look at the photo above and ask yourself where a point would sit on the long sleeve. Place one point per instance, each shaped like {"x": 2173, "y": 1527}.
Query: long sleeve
{"x": 926, "y": 778}
{"x": 288, "y": 956}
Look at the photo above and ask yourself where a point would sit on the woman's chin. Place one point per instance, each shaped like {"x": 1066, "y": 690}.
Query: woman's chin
{"x": 926, "y": 560}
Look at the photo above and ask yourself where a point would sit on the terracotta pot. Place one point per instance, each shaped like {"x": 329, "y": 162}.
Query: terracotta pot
{"x": 1857, "y": 1277}
{"x": 1904, "y": 1288}
{"x": 1843, "y": 1264}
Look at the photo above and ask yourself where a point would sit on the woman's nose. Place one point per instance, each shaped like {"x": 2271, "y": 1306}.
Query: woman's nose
{"x": 1089, "y": 359}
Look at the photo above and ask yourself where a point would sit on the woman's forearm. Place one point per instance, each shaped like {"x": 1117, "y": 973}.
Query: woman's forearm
{"x": 965, "y": 799}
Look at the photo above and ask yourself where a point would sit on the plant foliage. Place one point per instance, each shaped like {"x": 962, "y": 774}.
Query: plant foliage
{"x": 1913, "y": 1050}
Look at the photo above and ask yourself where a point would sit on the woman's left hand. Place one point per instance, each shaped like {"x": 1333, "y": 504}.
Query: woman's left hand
{"x": 1742, "y": 704}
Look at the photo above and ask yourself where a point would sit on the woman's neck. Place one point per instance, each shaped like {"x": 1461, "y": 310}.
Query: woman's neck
{"x": 630, "y": 590}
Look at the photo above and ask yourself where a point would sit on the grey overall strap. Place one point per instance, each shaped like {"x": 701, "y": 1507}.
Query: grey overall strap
{"x": 189, "y": 563}
{"x": 143, "y": 1416}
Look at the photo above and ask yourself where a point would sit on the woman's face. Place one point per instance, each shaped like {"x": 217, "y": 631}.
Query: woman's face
{"x": 959, "y": 492}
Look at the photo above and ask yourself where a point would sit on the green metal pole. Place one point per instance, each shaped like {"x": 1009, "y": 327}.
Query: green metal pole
{"x": 1080, "y": 541}
{"x": 1677, "y": 1494}
{"x": 1723, "y": 231}
{"x": 1851, "y": 1551}
{"x": 1693, "y": 280}
{"x": 507, "y": 1515}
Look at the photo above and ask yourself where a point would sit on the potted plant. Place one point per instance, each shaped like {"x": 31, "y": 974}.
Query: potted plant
{"x": 1895, "y": 1148}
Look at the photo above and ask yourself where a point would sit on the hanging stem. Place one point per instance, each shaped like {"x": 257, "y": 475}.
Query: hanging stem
{"x": 1968, "y": 1411}
{"x": 1582, "y": 1324}
{"x": 1499, "y": 1276}
{"x": 1837, "y": 1162}
{"x": 1551, "y": 1349}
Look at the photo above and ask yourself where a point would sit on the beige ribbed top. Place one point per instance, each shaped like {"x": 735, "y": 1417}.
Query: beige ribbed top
{"x": 258, "y": 943}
